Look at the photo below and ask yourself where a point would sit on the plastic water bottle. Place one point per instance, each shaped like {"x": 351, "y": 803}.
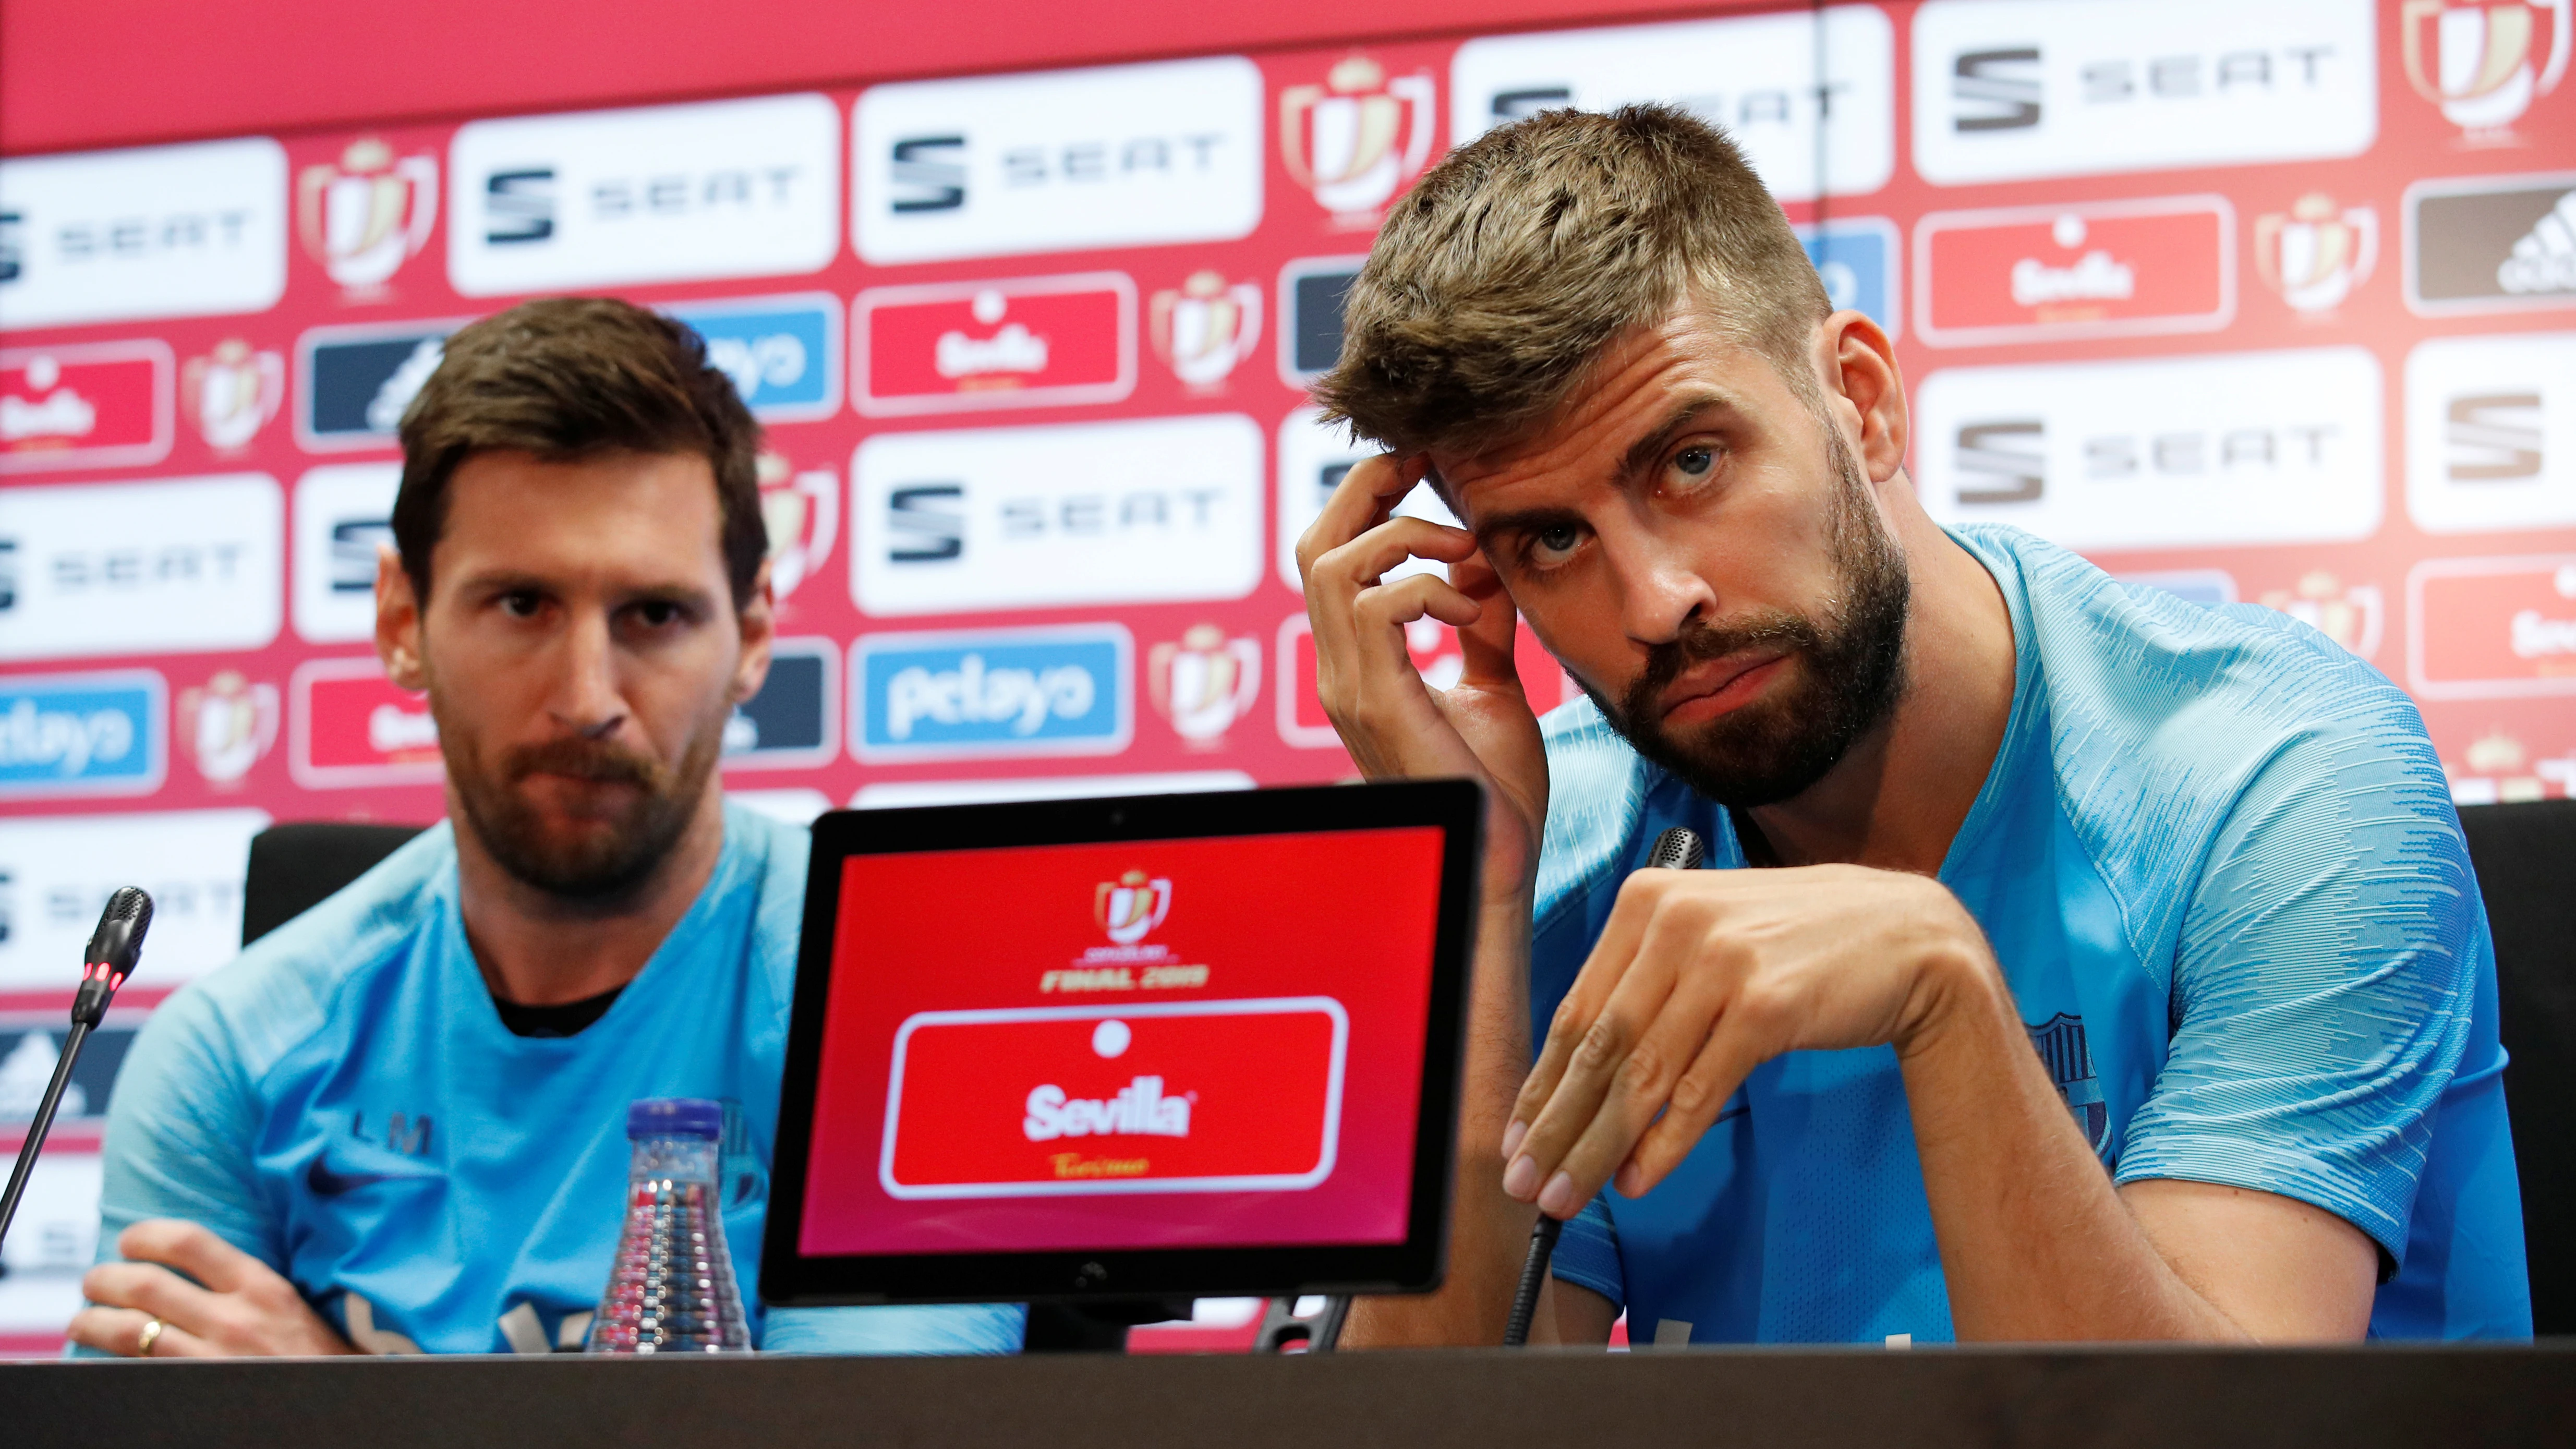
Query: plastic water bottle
{"x": 672, "y": 1289}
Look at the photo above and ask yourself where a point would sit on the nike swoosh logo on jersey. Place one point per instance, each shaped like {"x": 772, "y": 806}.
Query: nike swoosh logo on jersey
{"x": 319, "y": 1177}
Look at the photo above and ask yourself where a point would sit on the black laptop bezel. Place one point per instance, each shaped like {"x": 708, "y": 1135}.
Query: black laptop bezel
{"x": 791, "y": 1278}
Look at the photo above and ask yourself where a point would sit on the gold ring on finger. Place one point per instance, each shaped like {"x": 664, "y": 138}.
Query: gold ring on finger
{"x": 151, "y": 1336}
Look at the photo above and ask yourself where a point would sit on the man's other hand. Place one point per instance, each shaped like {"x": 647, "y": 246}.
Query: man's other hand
{"x": 1701, "y": 976}
{"x": 1396, "y": 726}
{"x": 243, "y": 1310}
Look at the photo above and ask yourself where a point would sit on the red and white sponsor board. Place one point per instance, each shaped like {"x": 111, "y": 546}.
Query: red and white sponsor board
{"x": 2269, "y": 302}
{"x": 1032, "y": 342}
{"x": 85, "y": 405}
{"x": 348, "y": 725}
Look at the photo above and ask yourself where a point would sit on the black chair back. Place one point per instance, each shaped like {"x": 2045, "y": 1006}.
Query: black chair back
{"x": 294, "y": 868}
{"x": 2525, "y": 855}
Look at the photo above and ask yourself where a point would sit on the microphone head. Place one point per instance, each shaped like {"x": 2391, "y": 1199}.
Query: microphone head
{"x": 118, "y": 941}
{"x": 1679, "y": 848}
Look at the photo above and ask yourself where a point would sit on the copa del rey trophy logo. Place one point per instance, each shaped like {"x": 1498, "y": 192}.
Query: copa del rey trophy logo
{"x": 1204, "y": 683}
{"x": 2315, "y": 254}
{"x": 232, "y": 392}
{"x": 2349, "y": 616}
{"x": 1355, "y": 140}
{"x": 227, "y": 724}
{"x": 365, "y": 215}
{"x": 803, "y": 514}
{"x": 1131, "y": 905}
{"x": 1205, "y": 328}
{"x": 2484, "y": 63}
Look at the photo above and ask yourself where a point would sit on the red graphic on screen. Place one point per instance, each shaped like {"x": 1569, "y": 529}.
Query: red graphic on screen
{"x": 2077, "y": 271}
{"x": 1016, "y": 343}
{"x": 1154, "y": 1044}
{"x": 1183, "y": 1097}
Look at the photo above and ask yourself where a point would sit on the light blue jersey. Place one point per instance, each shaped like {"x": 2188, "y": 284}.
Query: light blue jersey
{"x": 344, "y": 1104}
{"x": 2218, "y": 861}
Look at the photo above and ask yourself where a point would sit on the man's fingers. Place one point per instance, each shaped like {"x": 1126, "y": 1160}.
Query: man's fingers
{"x": 1488, "y": 646}
{"x": 1617, "y": 1078}
{"x": 1368, "y": 493}
{"x": 1364, "y": 560}
{"x": 1630, "y": 914}
{"x": 192, "y": 1249}
{"x": 120, "y": 1331}
{"x": 1416, "y": 596}
{"x": 152, "y": 1289}
{"x": 1725, "y": 1060}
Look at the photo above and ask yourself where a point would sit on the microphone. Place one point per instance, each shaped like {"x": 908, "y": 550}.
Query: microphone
{"x": 113, "y": 950}
{"x": 1679, "y": 848}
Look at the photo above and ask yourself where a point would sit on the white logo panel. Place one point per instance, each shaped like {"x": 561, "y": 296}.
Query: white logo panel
{"x": 1755, "y": 76}
{"x": 1130, "y": 155}
{"x": 658, "y": 194}
{"x": 57, "y": 873}
{"x": 2237, "y": 448}
{"x": 342, "y": 513}
{"x": 2491, "y": 433}
{"x": 168, "y": 567}
{"x": 160, "y": 231}
{"x": 1147, "y": 511}
{"x": 2007, "y": 90}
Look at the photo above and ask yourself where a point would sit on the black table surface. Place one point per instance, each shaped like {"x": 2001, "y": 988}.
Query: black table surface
{"x": 1486, "y": 1398}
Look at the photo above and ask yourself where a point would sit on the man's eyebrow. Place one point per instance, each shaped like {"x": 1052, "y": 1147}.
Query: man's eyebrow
{"x": 1649, "y": 450}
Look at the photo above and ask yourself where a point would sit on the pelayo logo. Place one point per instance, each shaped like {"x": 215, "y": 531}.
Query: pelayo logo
{"x": 783, "y": 353}
{"x": 1068, "y": 690}
{"x": 82, "y": 734}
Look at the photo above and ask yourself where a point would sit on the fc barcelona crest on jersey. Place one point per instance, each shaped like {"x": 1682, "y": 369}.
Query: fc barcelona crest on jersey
{"x": 2061, "y": 1045}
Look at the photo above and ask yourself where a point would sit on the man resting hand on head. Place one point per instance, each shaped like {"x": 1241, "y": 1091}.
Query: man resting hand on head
{"x": 2082, "y": 963}
{"x": 397, "y": 1123}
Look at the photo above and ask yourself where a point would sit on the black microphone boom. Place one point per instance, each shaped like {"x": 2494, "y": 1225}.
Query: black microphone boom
{"x": 113, "y": 950}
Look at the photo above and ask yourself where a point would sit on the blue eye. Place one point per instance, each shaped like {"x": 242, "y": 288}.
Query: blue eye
{"x": 1551, "y": 546}
{"x": 1694, "y": 462}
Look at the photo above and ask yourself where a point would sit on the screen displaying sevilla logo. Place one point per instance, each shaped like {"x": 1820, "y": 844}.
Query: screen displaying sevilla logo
{"x": 1143, "y": 1045}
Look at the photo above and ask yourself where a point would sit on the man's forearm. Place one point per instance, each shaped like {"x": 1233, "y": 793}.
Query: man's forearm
{"x": 2036, "y": 1244}
{"x": 1488, "y": 1232}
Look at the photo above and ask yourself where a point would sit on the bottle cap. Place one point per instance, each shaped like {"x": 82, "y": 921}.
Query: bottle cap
{"x": 675, "y": 1117}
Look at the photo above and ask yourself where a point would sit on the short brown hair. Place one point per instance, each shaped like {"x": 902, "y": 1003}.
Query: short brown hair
{"x": 574, "y": 377}
{"x": 1500, "y": 277}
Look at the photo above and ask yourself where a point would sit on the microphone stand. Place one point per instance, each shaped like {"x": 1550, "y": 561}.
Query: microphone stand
{"x": 43, "y": 1123}
{"x": 113, "y": 949}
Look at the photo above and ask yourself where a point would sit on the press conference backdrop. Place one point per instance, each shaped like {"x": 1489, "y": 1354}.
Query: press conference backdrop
{"x": 2263, "y": 303}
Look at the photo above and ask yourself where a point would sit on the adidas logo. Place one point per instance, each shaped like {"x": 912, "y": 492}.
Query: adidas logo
{"x": 2544, "y": 260}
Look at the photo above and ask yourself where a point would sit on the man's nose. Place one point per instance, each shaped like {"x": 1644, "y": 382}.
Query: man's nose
{"x": 586, "y": 698}
{"x": 1660, "y": 586}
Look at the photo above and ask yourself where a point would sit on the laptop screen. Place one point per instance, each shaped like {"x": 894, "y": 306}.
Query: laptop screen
{"x": 1203, "y": 1042}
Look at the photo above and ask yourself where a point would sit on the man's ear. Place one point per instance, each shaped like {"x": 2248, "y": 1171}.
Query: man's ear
{"x": 398, "y": 623}
{"x": 1865, "y": 394}
{"x": 758, "y": 619}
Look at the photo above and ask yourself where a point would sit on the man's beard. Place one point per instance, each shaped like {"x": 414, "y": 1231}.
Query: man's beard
{"x": 1852, "y": 664}
{"x": 614, "y": 857}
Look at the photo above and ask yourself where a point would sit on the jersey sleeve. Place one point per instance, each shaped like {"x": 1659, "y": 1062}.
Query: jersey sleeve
{"x": 180, "y": 1127}
{"x": 2324, "y": 981}
{"x": 955, "y": 1328}
{"x": 1587, "y": 1253}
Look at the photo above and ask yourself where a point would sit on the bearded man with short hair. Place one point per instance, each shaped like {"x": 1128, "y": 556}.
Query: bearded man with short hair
{"x": 2084, "y": 964}
{"x": 397, "y": 1123}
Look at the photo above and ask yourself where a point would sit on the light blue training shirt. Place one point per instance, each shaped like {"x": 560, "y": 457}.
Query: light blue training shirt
{"x": 2219, "y": 864}
{"x": 344, "y": 1104}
